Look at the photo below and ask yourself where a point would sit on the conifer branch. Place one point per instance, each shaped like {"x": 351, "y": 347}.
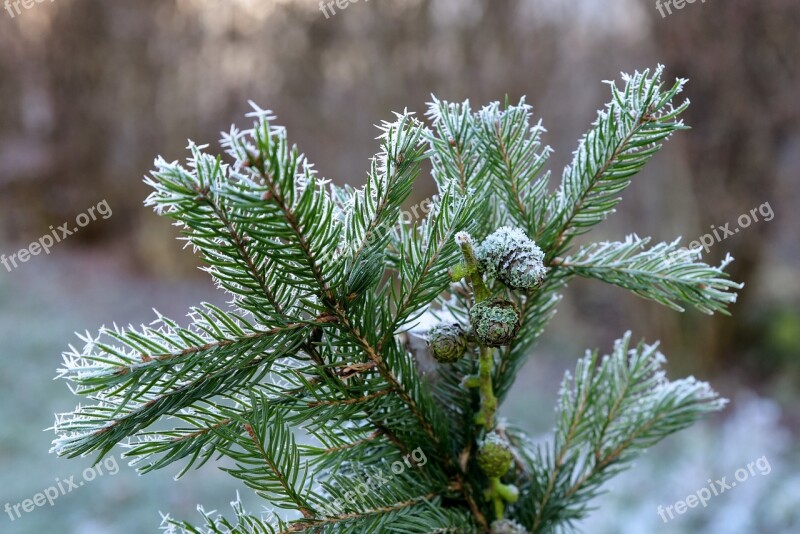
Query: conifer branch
{"x": 608, "y": 413}
{"x": 624, "y": 137}
{"x": 193, "y": 198}
{"x": 513, "y": 149}
{"x": 372, "y": 213}
{"x": 455, "y": 149}
{"x": 426, "y": 253}
{"x": 665, "y": 273}
{"x": 331, "y": 289}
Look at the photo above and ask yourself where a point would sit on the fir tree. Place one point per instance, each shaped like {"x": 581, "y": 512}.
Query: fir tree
{"x": 327, "y": 282}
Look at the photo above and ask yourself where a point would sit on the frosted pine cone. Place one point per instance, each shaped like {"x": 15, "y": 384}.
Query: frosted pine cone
{"x": 495, "y": 322}
{"x": 509, "y": 255}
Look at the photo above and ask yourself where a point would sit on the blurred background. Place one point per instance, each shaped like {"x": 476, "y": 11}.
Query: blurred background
{"x": 93, "y": 90}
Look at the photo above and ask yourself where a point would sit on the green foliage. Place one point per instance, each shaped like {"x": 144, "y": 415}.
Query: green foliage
{"x": 325, "y": 283}
{"x": 624, "y": 137}
{"x": 608, "y": 412}
{"x": 666, "y": 273}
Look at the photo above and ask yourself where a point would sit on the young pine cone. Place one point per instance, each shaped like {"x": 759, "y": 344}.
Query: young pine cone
{"x": 495, "y": 322}
{"x": 509, "y": 255}
{"x": 494, "y": 458}
{"x": 447, "y": 342}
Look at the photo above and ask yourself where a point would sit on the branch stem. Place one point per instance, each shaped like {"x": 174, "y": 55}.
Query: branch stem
{"x": 480, "y": 293}
{"x": 500, "y": 494}
{"x": 488, "y": 399}
{"x": 473, "y": 272}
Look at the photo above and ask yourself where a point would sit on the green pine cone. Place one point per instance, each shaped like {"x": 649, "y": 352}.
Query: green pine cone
{"x": 507, "y": 526}
{"x": 494, "y": 458}
{"x": 495, "y": 322}
{"x": 508, "y": 254}
{"x": 447, "y": 342}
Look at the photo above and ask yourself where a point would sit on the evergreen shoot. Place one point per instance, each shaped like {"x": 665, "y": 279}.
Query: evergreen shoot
{"x": 310, "y": 387}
